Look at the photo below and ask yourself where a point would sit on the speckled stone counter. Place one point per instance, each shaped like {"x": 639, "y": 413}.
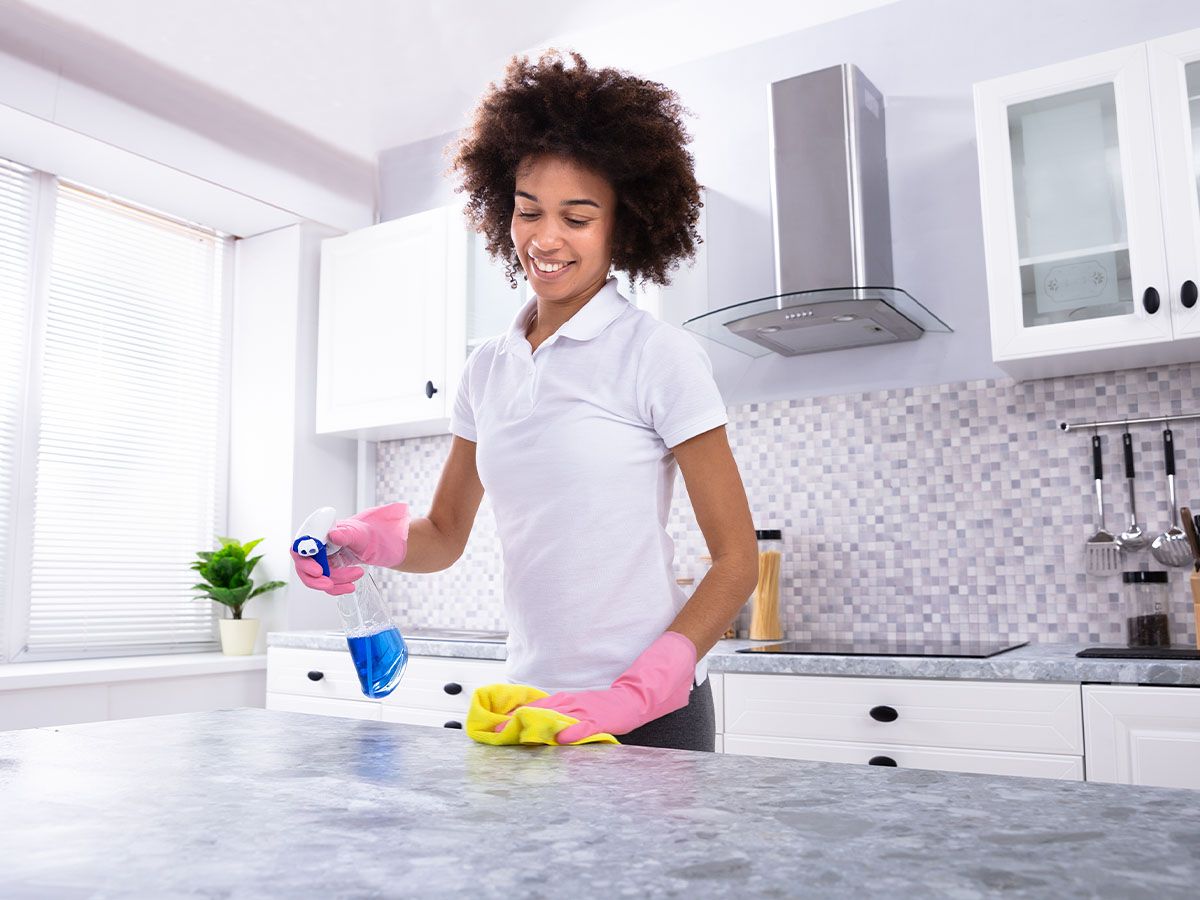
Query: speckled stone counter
{"x": 253, "y": 803}
{"x": 1035, "y": 662}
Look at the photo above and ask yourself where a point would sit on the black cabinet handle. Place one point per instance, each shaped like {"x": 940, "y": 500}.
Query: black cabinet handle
{"x": 452, "y": 724}
{"x": 881, "y": 761}
{"x": 884, "y": 714}
{"x": 430, "y": 390}
{"x": 452, "y": 688}
{"x": 315, "y": 676}
{"x": 1187, "y": 294}
{"x": 1150, "y": 300}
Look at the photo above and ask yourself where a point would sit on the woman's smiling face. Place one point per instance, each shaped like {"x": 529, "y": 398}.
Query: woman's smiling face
{"x": 564, "y": 214}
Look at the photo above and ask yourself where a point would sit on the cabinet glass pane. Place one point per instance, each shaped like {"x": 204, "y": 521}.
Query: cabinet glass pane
{"x": 491, "y": 302}
{"x": 1193, "y": 92}
{"x": 1070, "y": 206}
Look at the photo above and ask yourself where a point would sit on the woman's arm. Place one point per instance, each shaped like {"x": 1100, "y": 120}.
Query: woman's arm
{"x": 436, "y": 541}
{"x": 723, "y": 513}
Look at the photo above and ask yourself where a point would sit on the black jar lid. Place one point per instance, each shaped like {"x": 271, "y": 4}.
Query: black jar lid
{"x": 769, "y": 534}
{"x": 1144, "y": 577}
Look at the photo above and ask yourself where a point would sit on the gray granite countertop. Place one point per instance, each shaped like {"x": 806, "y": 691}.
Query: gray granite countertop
{"x": 1034, "y": 662}
{"x": 251, "y": 803}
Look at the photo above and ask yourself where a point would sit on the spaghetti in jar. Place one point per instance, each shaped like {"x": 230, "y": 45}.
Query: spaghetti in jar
{"x": 764, "y": 617}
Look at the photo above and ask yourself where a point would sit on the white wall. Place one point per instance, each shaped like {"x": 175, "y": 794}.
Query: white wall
{"x": 280, "y": 470}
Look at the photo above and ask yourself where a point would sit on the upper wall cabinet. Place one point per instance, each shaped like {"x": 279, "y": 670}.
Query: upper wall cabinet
{"x": 1091, "y": 214}
{"x": 402, "y": 305}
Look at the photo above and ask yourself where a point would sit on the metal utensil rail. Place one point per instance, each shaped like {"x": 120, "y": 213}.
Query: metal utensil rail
{"x": 1071, "y": 426}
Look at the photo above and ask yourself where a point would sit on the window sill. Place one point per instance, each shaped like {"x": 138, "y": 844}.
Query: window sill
{"x": 19, "y": 676}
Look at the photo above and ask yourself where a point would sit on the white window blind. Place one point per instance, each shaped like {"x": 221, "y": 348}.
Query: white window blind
{"x": 17, "y": 185}
{"x": 130, "y": 421}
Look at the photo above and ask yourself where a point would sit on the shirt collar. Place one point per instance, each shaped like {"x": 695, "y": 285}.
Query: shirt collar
{"x": 589, "y": 320}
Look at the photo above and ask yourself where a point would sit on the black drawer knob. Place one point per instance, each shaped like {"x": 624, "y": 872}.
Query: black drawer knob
{"x": 452, "y": 688}
{"x": 430, "y": 390}
{"x": 1150, "y": 301}
{"x": 452, "y": 724}
{"x": 315, "y": 676}
{"x": 884, "y": 714}
{"x": 1188, "y": 294}
{"x": 881, "y": 761}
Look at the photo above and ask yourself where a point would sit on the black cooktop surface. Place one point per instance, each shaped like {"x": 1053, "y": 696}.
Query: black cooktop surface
{"x": 885, "y": 648}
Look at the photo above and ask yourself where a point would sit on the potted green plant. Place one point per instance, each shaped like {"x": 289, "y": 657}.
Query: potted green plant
{"x": 226, "y": 574}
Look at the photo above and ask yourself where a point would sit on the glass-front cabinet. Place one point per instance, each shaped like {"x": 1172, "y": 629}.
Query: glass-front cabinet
{"x": 1076, "y": 163}
{"x": 1175, "y": 84}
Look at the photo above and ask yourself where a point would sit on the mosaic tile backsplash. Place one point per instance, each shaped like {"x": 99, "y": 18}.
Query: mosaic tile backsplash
{"x": 951, "y": 511}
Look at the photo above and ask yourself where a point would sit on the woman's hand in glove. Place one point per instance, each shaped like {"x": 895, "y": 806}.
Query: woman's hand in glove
{"x": 658, "y": 682}
{"x": 377, "y": 536}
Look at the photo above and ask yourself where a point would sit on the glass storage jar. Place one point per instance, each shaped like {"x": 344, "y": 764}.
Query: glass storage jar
{"x": 1147, "y": 623}
{"x": 764, "y": 624}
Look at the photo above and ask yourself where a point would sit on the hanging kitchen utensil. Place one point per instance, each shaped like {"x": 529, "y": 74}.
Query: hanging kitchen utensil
{"x": 1171, "y": 547}
{"x": 1133, "y": 539}
{"x": 1102, "y": 553}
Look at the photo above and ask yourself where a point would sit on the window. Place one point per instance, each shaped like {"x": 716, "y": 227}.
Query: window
{"x": 122, "y": 399}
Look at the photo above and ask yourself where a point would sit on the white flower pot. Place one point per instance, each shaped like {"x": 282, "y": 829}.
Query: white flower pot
{"x": 238, "y": 636}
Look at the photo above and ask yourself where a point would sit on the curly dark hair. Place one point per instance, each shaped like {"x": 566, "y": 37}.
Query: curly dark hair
{"x": 625, "y": 128}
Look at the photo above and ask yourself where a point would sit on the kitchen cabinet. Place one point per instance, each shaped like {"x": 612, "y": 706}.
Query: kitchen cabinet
{"x": 1001, "y": 728}
{"x": 1091, "y": 218}
{"x": 435, "y": 691}
{"x": 401, "y": 306}
{"x": 1143, "y": 735}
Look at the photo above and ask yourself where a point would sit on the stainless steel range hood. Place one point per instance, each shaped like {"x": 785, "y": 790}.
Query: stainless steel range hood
{"x": 832, "y": 229}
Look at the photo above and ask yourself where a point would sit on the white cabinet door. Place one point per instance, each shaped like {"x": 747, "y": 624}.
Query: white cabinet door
{"x": 1072, "y": 224}
{"x": 1175, "y": 80}
{"x": 326, "y": 674}
{"x": 985, "y": 762}
{"x": 390, "y": 327}
{"x": 1143, "y": 735}
{"x": 443, "y": 684}
{"x": 967, "y": 715}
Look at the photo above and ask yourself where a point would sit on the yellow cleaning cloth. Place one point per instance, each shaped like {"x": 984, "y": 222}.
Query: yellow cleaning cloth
{"x": 525, "y": 725}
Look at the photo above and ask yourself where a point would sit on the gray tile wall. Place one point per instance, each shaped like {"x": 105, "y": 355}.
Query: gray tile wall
{"x": 952, "y": 510}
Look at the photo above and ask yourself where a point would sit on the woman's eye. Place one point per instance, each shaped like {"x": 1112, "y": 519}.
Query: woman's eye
{"x": 578, "y": 223}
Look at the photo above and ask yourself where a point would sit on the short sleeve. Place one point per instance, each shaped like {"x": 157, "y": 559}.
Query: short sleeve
{"x": 676, "y": 393}
{"x": 462, "y": 417}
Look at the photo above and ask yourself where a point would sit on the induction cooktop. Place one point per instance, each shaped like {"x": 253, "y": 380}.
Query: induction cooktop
{"x": 978, "y": 649}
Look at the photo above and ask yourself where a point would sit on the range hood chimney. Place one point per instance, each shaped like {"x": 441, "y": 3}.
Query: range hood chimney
{"x": 832, "y": 228}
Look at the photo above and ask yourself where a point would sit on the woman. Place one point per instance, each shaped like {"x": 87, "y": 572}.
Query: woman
{"x": 574, "y": 420}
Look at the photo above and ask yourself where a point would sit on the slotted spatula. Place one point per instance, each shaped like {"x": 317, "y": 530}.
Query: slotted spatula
{"x": 1102, "y": 553}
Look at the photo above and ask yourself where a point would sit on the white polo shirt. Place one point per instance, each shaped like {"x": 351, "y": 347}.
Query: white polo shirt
{"x": 574, "y": 450}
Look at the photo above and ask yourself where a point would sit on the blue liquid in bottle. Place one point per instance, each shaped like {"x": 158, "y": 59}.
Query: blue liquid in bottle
{"x": 379, "y": 659}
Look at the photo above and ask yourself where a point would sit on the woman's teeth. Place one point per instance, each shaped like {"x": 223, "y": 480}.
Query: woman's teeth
{"x": 548, "y": 267}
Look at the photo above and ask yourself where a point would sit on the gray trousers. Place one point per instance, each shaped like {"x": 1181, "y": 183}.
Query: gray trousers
{"x": 694, "y": 727}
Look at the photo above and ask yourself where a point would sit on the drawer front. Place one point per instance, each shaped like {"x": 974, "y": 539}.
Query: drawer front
{"x": 345, "y": 709}
{"x": 431, "y": 717}
{"x": 984, "y": 762}
{"x": 427, "y": 677}
{"x": 288, "y": 671}
{"x": 973, "y": 715}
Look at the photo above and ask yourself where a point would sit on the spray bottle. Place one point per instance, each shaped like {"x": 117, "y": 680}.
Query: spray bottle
{"x": 376, "y": 645}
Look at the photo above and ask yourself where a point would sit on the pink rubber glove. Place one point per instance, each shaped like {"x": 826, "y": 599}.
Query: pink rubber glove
{"x": 658, "y": 682}
{"x": 378, "y": 536}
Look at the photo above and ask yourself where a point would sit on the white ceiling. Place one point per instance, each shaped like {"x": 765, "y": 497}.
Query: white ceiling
{"x": 360, "y": 76}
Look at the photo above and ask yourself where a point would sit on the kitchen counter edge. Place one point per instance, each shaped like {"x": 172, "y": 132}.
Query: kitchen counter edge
{"x": 1035, "y": 662}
